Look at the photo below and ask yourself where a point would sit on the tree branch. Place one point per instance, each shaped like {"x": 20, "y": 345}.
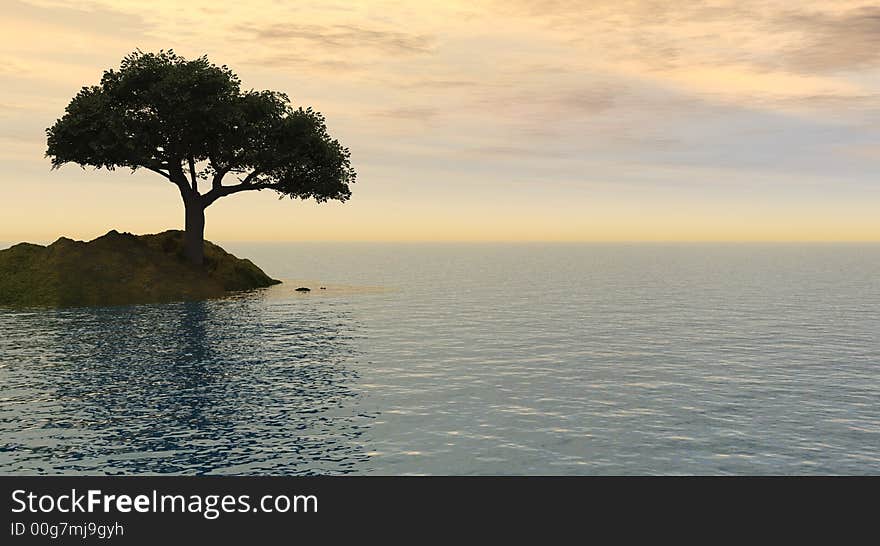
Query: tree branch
{"x": 217, "y": 182}
{"x": 157, "y": 170}
{"x": 250, "y": 178}
{"x": 176, "y": 175}
{"x": 192, "y": 174}
{"x": 223, "y": 191}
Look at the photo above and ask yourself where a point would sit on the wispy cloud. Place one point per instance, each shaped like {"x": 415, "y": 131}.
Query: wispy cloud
{"x": 834, "y": 41}
{"x": 87, "y": 18}
{"x": 306, "y": 60}
{"x": 420, "y": 114}
{"x": 339, "y": 37}
{"x": 438, "y": 83}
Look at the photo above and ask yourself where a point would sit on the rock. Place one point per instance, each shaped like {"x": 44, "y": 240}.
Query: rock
{"x": 120, "y": 268}
{"x": 303, "y": 289}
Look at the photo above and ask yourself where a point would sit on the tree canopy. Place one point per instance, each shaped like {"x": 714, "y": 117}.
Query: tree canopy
{"x": 190, "y": 121}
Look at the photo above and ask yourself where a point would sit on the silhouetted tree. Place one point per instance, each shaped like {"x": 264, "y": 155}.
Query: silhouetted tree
{"x": 190, "y": 122}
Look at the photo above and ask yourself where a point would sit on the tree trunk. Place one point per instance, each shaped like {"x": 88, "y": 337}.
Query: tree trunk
{"x": 194, "y": 236}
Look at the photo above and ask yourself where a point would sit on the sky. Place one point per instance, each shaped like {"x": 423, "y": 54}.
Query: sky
{"x": 486, "y": 120}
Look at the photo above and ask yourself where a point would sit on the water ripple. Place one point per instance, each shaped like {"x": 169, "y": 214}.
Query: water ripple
{"x": 467, "y": 359}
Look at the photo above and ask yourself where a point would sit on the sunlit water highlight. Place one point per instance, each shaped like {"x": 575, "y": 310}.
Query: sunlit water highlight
{"x": 466, "y": 359}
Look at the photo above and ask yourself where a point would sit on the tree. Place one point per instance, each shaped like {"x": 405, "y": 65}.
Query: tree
{"x": 190, "y": 122}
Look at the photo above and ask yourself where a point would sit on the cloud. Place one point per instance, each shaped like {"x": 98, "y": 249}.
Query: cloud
{"x": 340, "y": 37}
{"x": 9, "y": 67}
{"x": 87, "y": 18}
{"x": 541, "y": 111}
{"x": 869, "y": 152}
{"x": 839, "y": 104}
{"x": 306, "y": 61}
{"x": 515, "y": 152}
{"x": 725, "y": 50}
{"x": 438, "y": 83}
{"x": 421, "y": 114}
{"x": 834, "y": 41}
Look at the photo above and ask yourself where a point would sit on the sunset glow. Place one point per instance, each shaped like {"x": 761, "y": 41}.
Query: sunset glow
{"x": 485, "y": 120}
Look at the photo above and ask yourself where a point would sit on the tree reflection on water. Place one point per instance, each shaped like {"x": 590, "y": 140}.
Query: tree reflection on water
{"x": 241, "y": 385}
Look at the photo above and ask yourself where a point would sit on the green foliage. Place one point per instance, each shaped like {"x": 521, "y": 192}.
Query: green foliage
{"x": 119, "y": 268}
{"x": 162, "y": 112}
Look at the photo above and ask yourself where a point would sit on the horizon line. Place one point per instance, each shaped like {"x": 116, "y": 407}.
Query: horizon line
{"x": 6, "y": 243}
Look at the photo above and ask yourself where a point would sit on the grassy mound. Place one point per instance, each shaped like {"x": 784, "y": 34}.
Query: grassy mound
{"x": 120, "y": 268}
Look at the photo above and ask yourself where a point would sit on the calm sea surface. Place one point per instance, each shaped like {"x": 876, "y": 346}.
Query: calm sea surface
{"x": 466, "y": 359}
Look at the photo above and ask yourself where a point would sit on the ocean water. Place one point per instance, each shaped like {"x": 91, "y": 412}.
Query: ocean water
{"x": 466, "y": 359}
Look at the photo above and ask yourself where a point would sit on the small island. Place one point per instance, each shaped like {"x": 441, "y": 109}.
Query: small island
{"x": 190, "y": 123}
{"x": 120, "y": 268}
